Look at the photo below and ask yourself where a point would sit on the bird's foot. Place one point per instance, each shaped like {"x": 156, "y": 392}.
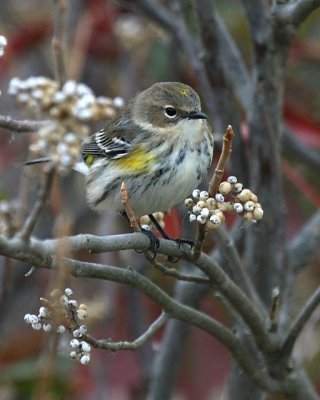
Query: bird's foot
{"x": 154, "y": 241}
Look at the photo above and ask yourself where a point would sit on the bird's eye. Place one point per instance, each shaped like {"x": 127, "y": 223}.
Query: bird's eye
{"x": 170, "y": 111}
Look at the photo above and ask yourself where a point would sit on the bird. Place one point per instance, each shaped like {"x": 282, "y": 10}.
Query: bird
{"x": 160, "y": 145}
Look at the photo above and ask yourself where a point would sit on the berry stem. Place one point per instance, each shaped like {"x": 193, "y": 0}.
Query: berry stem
{"x": 126, "y": 204}
{"x": 214, "y": 184}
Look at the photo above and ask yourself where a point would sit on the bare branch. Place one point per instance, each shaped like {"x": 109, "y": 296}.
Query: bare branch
{"x": 299, "y": 322}
{"x": 296, "y": 147}
{"x": 248, "y": 311}
{"x": 58, "y": 40}
{"x": 125, "y": 345}
{"x": 298, "y": 386}
{"x": 233, "y": 64}
{"x": 167, "y": 360}
{"x": 176, "y": 274}
{"x": 274, "y": 308}
{"x": 172, "y": 308}
{"x": 294, "y": 12}
{"x": 33, "y": 217}
{"x": 42, "y": 254}
{"x": 303, "y": 247}
{"x": 155, "y": 12}
{"x": 200, "y": 239}
{"x": 126, "y": 204}
{"x": 225, "y": 153}
{"x": 258, "y": 19}
{"x": 20, "y": 126}
{"x": 239, "y": 274}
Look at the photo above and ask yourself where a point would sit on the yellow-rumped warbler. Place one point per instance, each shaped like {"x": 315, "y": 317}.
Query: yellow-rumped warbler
{"x": 160, "y": 145}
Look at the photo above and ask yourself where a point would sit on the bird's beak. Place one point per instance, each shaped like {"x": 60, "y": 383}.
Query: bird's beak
{"x": 197, "y": 115}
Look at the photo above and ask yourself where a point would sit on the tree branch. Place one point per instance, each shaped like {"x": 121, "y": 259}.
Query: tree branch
{"x": 41, "y": 253}
{"x": 125, "y": 345}
{"x": 296, "y": 147}
{"x": 299, "y": 322}
{"x": 239, "y": 275}
{"x": 233, "y": 64}
{"x": 304, "y": 245}
{"x": 174, "y": 341}
{"x": 58, "y": 40}
{"x": 176, "y": 274}
{"x": 20, "y": 126}
{"x": 294, "y": 12}
{"x": 257, "y": 17}
{"x": 225, "y": 153}
{"x": 42, "y": 197}
{"x": 172, "y": 308}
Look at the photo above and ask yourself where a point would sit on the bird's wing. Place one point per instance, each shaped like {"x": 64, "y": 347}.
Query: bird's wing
{"x": 114, "y": 141}
{"x": 99, "y": 144}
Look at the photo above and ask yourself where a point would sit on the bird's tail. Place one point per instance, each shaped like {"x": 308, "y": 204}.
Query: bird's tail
{"x": 37, "y": 161}
{"x": 80, "y": 167}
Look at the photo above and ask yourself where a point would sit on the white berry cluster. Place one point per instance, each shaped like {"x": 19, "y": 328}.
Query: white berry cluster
{"x": 145, "y": 221}
{"x": 45, "y": 320}
{"x": 62, "y": 313}
{"x": 72, "y": 100}
{"x": 60, "y": 143}
{"x": 80, "y": 348}
{"x": 231, "y": 197}
{"x": 70, "y": 109}
{"x": 8, "y": 218}
{"x": 3, "y": 43}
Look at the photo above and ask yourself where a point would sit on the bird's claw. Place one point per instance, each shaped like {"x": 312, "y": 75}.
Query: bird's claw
{"x": 154, "y": 241}
{"x": 179, "y": 243}
{"x": 183, "y": 241}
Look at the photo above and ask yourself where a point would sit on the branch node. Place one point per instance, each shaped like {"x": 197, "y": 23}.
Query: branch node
{"x": 126, "y": 204}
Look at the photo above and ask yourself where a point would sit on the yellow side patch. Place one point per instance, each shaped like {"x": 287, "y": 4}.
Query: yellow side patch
{"x": 138, "y": 161}
{"x": 89, "y": 160}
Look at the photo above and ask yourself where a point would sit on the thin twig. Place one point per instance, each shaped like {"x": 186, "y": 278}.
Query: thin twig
{"x": 239, "y": 275}
{"x": 80, "y": 45}
{"x": 125, "y": 345}
{"x": 274, "y": 308}
{"x": 225, "y": 153}
{"x": 214, "y": 184}
{"x": 257, "y": 16}
{"x": 294, "y": 12}
{"x": 126, "y": 204}
{"x": 303, "y": 246}
{"x": 38, "y": 206}
{"x": 295, "y": 146}
{"x": 59, "y": 39}
{"x": 20, "y": 126}
{"x": 176, "y": 274}
{"x": 200, "y": 238}
{"x": 300, "y": 321}
{"x": 234, "y": 67}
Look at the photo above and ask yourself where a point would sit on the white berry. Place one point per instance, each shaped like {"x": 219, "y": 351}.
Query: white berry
{"x": 238, "y": 208}
{"x": 232, "y": 179}
{"x": 219, "y": 197}
{"x": 85, "y": 359}
{"x": 204, "y": 195}
{"x": 196, "y": 194}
